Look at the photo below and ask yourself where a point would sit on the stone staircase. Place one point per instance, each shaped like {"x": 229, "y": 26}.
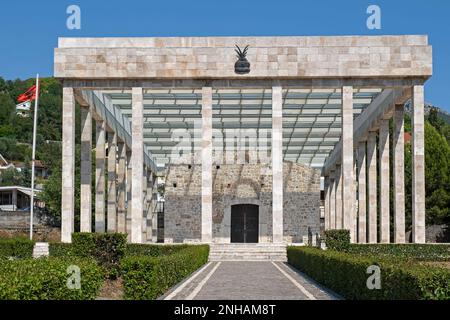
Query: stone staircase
{"x": 40, "y": 250}
{"x": 247, "y": 252}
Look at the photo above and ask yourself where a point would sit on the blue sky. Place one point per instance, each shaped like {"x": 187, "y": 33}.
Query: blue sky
{"x": 29, "y": 29}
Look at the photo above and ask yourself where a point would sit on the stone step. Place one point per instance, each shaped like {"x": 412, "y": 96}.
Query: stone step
{"x": 40, "y": 249}
{"x": 248, "y": 252}
{"x": 248, "y": 258}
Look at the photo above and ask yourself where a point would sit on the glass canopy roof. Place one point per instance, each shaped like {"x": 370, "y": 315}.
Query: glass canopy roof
{"x": 311, "y": 118}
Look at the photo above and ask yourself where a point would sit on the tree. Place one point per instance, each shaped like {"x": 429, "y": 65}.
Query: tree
{"x": 51, "y": 193}
{"x": 437, "y": 170}
{"x": 7, "y": 108}
{"x": 12, "y": 177}
{"x": 434, "y": 119}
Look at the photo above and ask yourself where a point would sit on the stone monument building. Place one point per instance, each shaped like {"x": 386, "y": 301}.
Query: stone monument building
{"x": 318, "y": 110}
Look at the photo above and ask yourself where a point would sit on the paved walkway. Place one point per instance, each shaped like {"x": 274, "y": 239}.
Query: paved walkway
{"x": 248, "y": 280}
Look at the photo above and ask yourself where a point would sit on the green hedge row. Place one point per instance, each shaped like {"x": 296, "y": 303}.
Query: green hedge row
{"x": 147, "y": 277}
{"x": 17, "y": 248}
{"x": 346, "y": 274}
{"x": 46, "y": 279}
{"x": 106, "y": 248}
{"x": 338, "y": 239}
{"x": 133, "y": 249}
{"x": 60, "y": 250}
{"x": 430, "y": 252}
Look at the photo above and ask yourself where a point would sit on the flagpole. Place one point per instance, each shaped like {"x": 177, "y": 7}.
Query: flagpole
{"x": 33, "y": 160}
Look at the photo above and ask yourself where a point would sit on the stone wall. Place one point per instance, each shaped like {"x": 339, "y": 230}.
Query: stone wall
{"x": 241, "y": 184}
{"x": 214, "y": 57}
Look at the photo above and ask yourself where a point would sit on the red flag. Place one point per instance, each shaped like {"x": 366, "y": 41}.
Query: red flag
{"x": 27, "y": 96}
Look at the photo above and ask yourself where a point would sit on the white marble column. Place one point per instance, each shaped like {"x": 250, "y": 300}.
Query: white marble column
{"x": 372, "y": 185}
{"x": 338, "y": 212}
{"x": 144, "y": 204}
{"x": 137, "y": 164}
{"x": 112, "y": 190}
{"x": 149, "y": 197}
{"x": 129, "y": 204}
{"x": 326, "y": 206}
{"x": 418, "y": 166}
{"x": 68, "y": 165}
{"x": 153, "y": 208}
{"x": 86, "y": 170}
{"x": 332, "y": 223}
{"x": 383, "y": 147}
{"x": 362, "y": 189}
{"x": 277, "y": 164}
{"x": 100, "y": 177}
{"x": 121, "y": 188}
{"x": 14, "y": 199}
{"x": 348, "y": 179}
{"x": 207, "y": 183}
{"x": 398, "y": 145}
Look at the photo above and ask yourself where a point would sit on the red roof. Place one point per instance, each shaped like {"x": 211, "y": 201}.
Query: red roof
{"x": 407, "y": 137}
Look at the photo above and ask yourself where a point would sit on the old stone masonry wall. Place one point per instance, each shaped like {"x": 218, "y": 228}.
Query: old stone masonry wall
{"x": 241, "y": 184}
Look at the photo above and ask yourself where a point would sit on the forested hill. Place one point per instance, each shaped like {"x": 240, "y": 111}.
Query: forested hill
{"x": 16, "y": 136}
{"x": 17, "y": 131}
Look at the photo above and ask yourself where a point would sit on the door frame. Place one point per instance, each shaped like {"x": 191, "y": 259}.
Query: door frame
{"x": 240, "y": 209}
{"x": 225, "y": 237}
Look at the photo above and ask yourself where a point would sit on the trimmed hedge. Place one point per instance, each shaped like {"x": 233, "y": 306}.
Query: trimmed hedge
{"x": 337, "y": 239}
{"x": 46, "y": 279}
{"x": 147, "y": 277}
{"x": 346, "y": 274}
{"x": 60, "y": 250}
{"x": 106, "y": 248}
{"x": 424, "y": 252}
{"x": 134, "y": 249}
{"x": 17, "y": 248}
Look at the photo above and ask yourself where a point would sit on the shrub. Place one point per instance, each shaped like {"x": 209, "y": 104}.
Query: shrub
{"x": 347, "y": 275}
{"x": 147, "y": 277}
{"x": 425, "y": 252}
{"x": 83, "y": 243}
{"x": 60, "y": 250}
{"x": 106, "y": 248}
{"x": 18, "y": 248}
{"x": 134, "y": 249}
{"x": 47, "y": 278}
{"x": 337, "y": 239}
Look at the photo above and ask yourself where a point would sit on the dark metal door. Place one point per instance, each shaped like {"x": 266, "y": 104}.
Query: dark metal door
{"x": 244, "y": 223}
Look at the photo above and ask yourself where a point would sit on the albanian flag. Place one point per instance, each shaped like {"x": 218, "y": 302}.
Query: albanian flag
{"x": 27, "y": 96}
